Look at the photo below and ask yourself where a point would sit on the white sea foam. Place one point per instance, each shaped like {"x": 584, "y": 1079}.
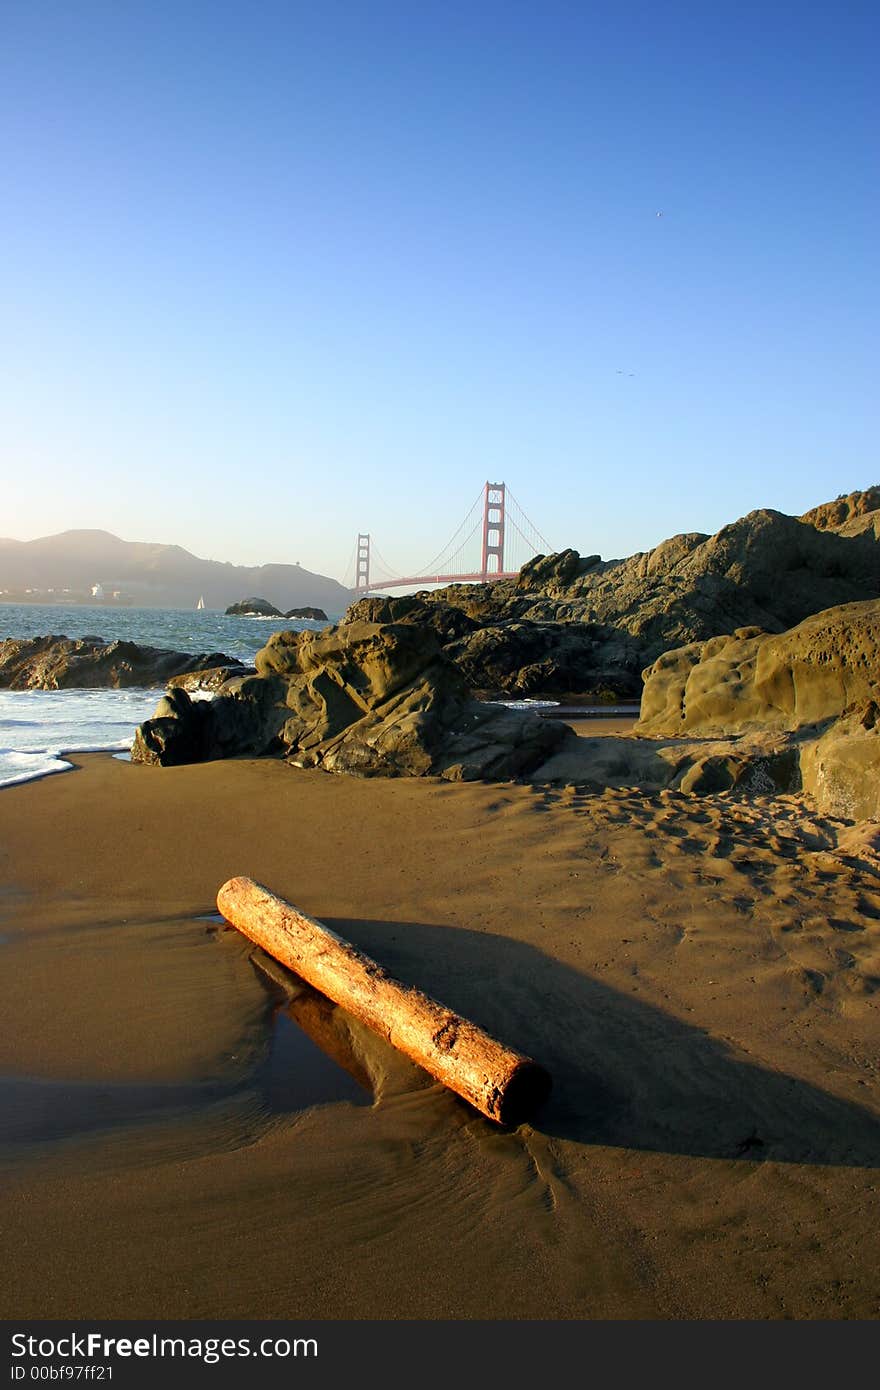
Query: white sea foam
{"x": 37, "y": 727}
{"x": 27, "y": 767}
{"x": 40, "y": 725}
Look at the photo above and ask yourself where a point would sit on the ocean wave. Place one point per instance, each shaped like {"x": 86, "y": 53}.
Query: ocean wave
{"x": 41, "y": 727}
{"x": 18, "y": 767}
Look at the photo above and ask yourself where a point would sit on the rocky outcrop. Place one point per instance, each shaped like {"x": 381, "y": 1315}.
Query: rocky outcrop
{"x": 210, "y": 680}
{"x": 848, "y": 515}
{"x": 65, "y": 663}
{"x": 312, "y": 615}
{"x": 253, "y": 608}
{"x": 756, "y": 764}
{"x": 767, "y": 571}
{"x": 841, "y": 769}
{"x": 812, "y": 694}
{"x": 243, "y": 719}
{"x": 837, "y": 764}
{"x": 366, "y": 698}
{"x": 448, "y": 621}
{"x": 583, "y": 661}
{"x": 753, "y": 679}
{"x": 554, "y": 574}
{"x": 518, "y": 658}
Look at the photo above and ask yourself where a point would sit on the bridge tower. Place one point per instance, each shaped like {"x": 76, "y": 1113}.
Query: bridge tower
{"x": 362, "y": 573}
{"x": 493, "y": 529}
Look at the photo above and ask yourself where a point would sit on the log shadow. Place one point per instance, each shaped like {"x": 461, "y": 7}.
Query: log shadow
{"x": 624, "y": 1072}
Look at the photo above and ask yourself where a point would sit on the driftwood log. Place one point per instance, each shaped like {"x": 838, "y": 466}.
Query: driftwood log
{"x": 503, "y": 1084}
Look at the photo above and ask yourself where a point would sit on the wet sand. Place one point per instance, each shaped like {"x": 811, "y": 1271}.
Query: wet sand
{"x": 700, "y": 975}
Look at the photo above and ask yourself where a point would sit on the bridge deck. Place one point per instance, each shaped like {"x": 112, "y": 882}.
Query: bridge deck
{"x": 423, "y": 579}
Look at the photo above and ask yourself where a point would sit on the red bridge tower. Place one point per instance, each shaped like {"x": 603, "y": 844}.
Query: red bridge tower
{"x": 493, "y": 529}
{"x": 362, "y": 572}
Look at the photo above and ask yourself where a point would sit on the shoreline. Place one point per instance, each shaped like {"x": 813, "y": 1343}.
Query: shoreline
{"x": 698, "y": 974}
{"x": 56, "y": 756}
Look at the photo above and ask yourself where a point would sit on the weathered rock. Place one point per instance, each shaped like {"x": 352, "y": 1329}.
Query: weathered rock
{"x": 746, "y": 765}
{"x": 753, "y": 679}
{"x": 370, "y": 699}
{"x": 756, "y": 713}
{"x": 176, "y": 734}
{"x": 446, "y": 620}
{"x": 210, "y": 680}
{"x": 482, "y": 603}
{"x": 754, "y": 772}
{"x": 371, "y": 661}
{"x": 766, "y": 570}
{"x": 65, "y": 663}
{"x": 243, "y": 720}
{"x": 531, "y": 658}
{"x": 253, "y": 608}
{"x": 552, "y": 574}
{"x": 312, "y": 615}
{"x": 815, "y": 688}
{"x": 847, "y": 514}
{"x": 841, "y": 769}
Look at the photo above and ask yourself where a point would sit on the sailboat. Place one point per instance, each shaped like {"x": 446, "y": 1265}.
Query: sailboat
{"x": 201, "y": 603}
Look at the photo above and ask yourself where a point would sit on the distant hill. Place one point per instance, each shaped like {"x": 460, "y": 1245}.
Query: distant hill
{"x": 153, "y": 576}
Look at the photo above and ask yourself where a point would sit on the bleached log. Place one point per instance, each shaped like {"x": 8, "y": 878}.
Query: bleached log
{"x": 503, "y": 1084}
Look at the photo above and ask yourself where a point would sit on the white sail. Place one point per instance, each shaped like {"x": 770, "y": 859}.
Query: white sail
{"x": 201, "y": 602}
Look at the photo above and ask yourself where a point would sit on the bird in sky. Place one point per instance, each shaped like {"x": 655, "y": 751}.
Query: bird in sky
{"x": 659, "y": 214}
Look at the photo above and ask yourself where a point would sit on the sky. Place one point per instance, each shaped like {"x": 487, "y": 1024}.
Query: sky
{"x": 272, "y": 274}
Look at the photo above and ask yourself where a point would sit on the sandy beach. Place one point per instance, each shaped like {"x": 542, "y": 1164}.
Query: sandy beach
{"x": 700, "y": 975}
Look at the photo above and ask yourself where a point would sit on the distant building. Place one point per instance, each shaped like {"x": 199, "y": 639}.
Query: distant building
{"x": 97, "y": 591}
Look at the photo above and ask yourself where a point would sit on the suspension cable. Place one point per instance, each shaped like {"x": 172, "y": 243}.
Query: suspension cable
{"x": 434, "y": 566}
{"x": 385, "y": 568}
{"x": 530, "y": 524}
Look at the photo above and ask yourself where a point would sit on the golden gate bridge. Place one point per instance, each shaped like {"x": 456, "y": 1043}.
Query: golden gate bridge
{"x": 493, "y": 542}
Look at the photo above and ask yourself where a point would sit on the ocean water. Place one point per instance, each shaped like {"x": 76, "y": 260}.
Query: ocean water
{"x": 37, "y": 727}
{"x": 181, "y": 630}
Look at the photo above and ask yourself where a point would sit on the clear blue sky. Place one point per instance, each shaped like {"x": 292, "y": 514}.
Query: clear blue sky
{"x": 272, "y": 273}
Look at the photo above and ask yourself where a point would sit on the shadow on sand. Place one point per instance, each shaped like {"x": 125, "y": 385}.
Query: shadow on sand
{"x": 624, "y": 1072}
